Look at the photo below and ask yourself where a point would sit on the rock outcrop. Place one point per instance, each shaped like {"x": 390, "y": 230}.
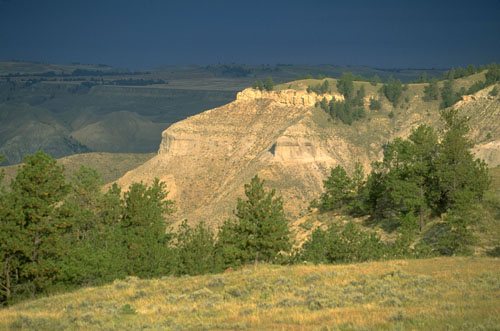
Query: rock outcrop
{"x": 287, "y": 97}
{"x": 206, "y": 158}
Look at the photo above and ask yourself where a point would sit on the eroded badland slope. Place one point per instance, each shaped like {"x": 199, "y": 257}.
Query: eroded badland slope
{"x": 288, "y": 141}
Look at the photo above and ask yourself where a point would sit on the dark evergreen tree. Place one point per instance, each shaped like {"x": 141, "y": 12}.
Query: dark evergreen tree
{"x": 338, "y": 189}
{"x": 493, "y": 74}
{"x": 470, "y": 70}
{"x": 143, "y": 229}
{"x": 347, "y": 245}
{"x": 315, "y": 248}
{"x": 320, "y": 88}
{"x": 260, "y": 232}
{"x": 30, "y": 227}
{"x": 258, "y": 85}
{"x": 431, "y": 91}
{"x": 457, "y": 170}
{"x": 448, "y": 95}
{"x": 393, "y": 90}
{"x": 360, "y": 96}
{"x": 403, "y": 183}
{"x": 345, "y": 85}
{"x": 93, "y": 251}
{"x": 269, "y": 84}
{"x": 195, "y": 249}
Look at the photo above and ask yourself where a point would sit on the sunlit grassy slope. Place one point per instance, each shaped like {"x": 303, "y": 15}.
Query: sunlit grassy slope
{"x": 428, "y": 294}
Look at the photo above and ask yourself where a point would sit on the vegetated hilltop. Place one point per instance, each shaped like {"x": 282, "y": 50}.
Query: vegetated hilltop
{"x": 288, "y": 138}
{"x": 425, "y": 294}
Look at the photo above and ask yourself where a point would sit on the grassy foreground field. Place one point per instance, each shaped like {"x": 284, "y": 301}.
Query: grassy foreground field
{"x": 427, "y": 294}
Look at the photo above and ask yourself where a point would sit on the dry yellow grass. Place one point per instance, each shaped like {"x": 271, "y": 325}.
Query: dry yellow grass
{"x": 437, "y": 294}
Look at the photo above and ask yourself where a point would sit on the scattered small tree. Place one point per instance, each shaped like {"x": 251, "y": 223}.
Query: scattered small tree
{"x": 393, "y": 90}
{"x": 375, "y": 104}
{"x": 431, "y": 91}
{"x": 258, "y": 85}
{"x": 375, "y": 80}
{"x": 269, "y": 84}
{"x": 345, "y": 85}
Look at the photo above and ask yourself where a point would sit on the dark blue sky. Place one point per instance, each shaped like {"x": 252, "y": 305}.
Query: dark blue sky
{"x": 151, "y": 33}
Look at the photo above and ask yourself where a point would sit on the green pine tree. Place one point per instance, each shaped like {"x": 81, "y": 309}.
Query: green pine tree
{"x": 143, "y": 229}
{"x": 30, "y": 227}
{"x": 457, "y": 170}
{"x": 91, "y": 244}
{"x": 345, "y": 85}
{"x": 393, "y": 90}
{"x": 195, "y": 249}
{"x": 260, "y": 231}
{"x": 269, "y": 84}
{"x": 431, "y": 91}
{"x": 338, "y": 189}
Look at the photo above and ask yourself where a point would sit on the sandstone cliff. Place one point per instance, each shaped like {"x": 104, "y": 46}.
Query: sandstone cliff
{"x": 206, "y": 159}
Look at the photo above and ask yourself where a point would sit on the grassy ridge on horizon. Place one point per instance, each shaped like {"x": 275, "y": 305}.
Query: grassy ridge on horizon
{"x": 437, "y": 294}
{"x": 110, "y": 166}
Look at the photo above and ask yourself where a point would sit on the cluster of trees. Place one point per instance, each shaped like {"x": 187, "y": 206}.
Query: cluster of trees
{"x": 320, "y": 88}
{"x": 57, "y": 234}
{"x": 393, "y": 89}
{"x": 344, "y": 245}
{"x": 460, "y": 72}
{"x": 419, "y": 178}
{"x": 349, "y": 110}
{"x": 268, "y": 85}
{"x": 449, "y": 95}
{"x": 352, "y": 108}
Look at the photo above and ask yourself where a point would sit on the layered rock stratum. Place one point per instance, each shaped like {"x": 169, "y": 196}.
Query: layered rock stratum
{"x": 286, "y": 140}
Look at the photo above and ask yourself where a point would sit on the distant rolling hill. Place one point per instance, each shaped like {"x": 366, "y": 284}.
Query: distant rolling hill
{"x": 111, "y": 166}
